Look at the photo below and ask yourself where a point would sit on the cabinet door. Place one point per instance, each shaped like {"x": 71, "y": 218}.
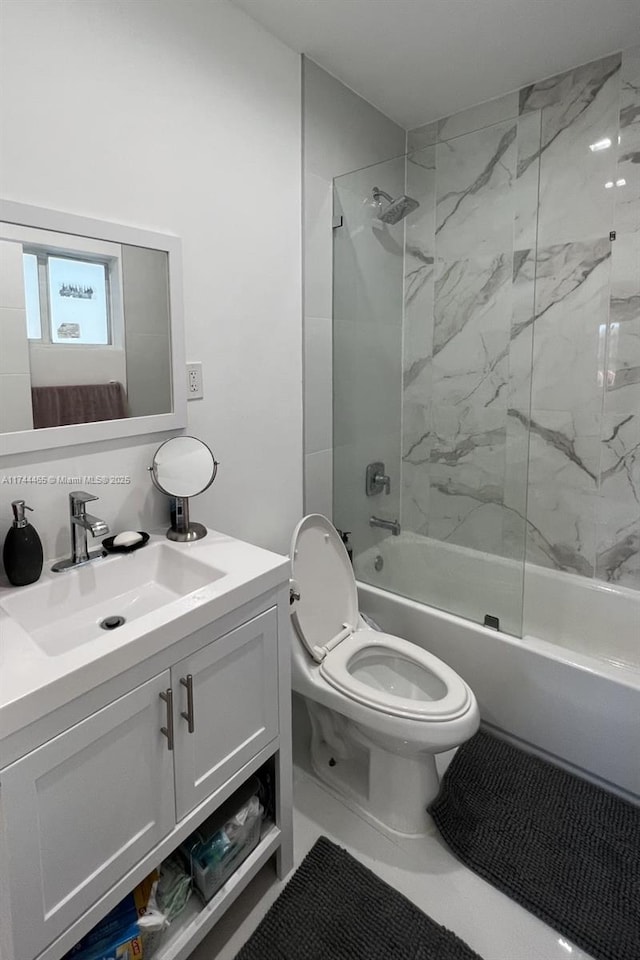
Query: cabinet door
{"x": 235, "y": 708}
{"x": 81, "y": 810}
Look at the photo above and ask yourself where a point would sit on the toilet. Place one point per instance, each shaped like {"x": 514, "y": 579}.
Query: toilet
{"x": 380, "y": 707}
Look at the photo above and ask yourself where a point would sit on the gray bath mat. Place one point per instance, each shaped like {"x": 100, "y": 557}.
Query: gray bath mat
{"x": 333, "y": 908}
{"x": 563, "y": 848}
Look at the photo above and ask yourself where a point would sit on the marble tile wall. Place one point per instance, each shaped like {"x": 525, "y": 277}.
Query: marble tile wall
{"x": 458, "y": 327}
{"x": 618, "y": 509}
{"x": 521, "y": 366}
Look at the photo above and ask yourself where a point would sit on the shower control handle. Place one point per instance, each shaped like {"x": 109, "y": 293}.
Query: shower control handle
{"x": 385, "y": 480}
{"x": 376, "y": 479}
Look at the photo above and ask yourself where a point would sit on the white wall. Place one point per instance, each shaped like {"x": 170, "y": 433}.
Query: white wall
{"x": 56, "y": 364}
{"x": 341, "y": 133}
{"x": 184, "y": 118}
{"x": 15, "y": 376}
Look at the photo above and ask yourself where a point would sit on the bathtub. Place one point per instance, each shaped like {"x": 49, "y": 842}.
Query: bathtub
{"x": 568, "y": 690}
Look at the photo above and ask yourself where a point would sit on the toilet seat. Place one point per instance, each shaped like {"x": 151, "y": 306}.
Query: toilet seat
{"x": 444, "y": 695}
{"x": 364, "y": 665}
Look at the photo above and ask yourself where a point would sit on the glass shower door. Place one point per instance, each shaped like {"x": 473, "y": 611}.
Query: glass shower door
{"x": 433, "y": 327}
{"x": 367, "y": 354}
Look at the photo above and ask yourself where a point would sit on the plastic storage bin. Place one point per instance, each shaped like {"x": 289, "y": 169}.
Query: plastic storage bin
{"x": 226, "y": 838}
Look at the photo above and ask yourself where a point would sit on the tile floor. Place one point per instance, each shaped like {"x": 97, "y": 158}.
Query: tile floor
{"x": 424, "y": 871}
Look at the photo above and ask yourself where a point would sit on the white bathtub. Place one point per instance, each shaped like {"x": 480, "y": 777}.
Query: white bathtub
{"x": 576, "y": 700}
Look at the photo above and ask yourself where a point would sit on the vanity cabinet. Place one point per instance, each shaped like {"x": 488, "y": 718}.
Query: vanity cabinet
{"x": 87, "y": 814}
{"x": 83, "y": 808}
{"x": 227, "y": 695}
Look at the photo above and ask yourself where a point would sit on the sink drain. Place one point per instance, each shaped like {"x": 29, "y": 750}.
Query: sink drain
{"x": 110, "y": 623}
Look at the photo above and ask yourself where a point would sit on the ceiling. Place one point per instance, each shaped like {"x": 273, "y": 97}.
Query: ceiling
{"x": 418, "y": 60}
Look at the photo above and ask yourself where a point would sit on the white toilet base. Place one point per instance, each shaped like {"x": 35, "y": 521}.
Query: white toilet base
{"x": 401, "y": 788}
{"x": 390, "y": 790}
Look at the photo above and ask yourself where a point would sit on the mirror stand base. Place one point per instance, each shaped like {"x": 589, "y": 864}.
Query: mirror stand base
{"x": 194, "y": 531}
{"x": 181, "y": 529}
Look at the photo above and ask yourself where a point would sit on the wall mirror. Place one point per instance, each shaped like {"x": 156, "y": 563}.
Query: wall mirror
{"x": 91, "y": 330}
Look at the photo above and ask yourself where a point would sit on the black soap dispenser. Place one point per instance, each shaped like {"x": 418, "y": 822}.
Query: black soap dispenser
{"x": 22, "y": 552}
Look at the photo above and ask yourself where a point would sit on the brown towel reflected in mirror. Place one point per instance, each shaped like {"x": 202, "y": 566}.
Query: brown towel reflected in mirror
{"x": 78, "y": 403}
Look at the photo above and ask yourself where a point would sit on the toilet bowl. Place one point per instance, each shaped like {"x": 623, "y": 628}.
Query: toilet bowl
{"x": 380, "y": 707}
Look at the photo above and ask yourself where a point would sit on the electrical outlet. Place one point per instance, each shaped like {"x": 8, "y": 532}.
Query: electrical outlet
{"x": 194, "y": 381}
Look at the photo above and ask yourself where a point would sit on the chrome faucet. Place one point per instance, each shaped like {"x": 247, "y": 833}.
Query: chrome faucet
{"x": 80, "y": 522}
{"x": 392, "y": 525}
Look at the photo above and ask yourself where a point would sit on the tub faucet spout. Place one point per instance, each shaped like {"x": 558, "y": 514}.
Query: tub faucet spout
{"x": 392, "y": 525}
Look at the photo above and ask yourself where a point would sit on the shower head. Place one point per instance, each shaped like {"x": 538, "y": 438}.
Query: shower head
{"x": 395, "y": 210}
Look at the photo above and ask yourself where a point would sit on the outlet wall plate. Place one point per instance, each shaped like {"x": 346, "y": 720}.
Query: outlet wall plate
{"x": 194, "y": 381}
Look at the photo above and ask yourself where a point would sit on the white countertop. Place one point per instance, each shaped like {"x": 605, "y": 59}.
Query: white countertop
{"x": 33, "y": 683}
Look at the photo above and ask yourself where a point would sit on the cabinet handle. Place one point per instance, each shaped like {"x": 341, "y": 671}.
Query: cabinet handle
{"x": 167, "y": 696}
{"x": 188, "y": 716}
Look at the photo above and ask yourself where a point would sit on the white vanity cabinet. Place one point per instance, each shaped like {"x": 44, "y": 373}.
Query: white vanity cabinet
{"x": 83, "y": 808}
{"x": 90, "y": 811}
{"x": 227, "y": 696}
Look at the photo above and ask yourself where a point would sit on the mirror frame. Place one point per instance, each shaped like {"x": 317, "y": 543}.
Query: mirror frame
{"x": 23, "y": 441}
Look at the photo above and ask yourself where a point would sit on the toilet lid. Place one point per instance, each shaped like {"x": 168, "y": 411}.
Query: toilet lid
{"x": 323, "y": 576}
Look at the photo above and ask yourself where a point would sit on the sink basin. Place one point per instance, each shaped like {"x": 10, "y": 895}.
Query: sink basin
{"x": 65, "y": 610}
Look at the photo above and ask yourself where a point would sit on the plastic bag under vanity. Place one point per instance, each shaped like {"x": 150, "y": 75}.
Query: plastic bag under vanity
{"x": 224, "y": 840}
{"x": 174, "y": 887}
{"x": 152, "y": 921}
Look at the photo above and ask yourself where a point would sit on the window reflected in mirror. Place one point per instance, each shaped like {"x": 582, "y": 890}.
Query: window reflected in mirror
{"x": 79, "y": 309}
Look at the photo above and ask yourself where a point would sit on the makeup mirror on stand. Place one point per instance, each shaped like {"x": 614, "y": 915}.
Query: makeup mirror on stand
{"x": 183, "y": 467}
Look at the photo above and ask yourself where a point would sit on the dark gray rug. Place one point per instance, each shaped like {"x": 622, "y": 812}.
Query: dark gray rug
{"x": 565, "y": 849}
{"x": 333, "y": 908}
